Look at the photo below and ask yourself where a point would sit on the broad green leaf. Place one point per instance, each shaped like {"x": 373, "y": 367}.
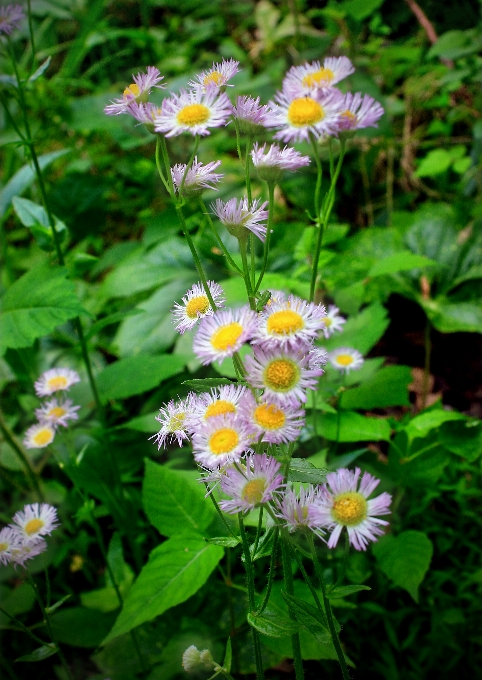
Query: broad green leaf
{"x": 40, "y": 653}
{"x": 308, "y": 615}
{"x": 82, "y": 627}
{"x": 272, "y": 623}
{"x": 405, "y": 559}
{"x": 146, "y": 423}
{"x": 354, "y": 427}
{"x": 435, "y": 162}
{"x": 224, "y": 541}
{"x": 206, "y": 384}
{"x": 301, "y": 470}
{"x": 388, "y": 387}
{"x": 176, "y": 570}
{"x": 17, "y": 601}
{"x": 137, "y": 374}
{"x": 30, "y": 213}
{"x": 455, "y": 44}
{"x": 399, "y": 262}
{"x": 173, "y": 503}
{"x": 422, "y": 424}
{"x": 455, "y": 317}
{"x": 109, "y": 320}
{"x": 419, "y": 464}
{"x": 315, "y": 400}
{"x": 35, "y": 305}
{"x": 462, "y": 438}
{"x": 344, "y": 591}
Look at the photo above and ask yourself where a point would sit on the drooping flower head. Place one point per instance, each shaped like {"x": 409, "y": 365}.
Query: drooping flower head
{"x": 194, "y": 660}
{"x": 308, "y": 78}
{"x": 35, "y": 521}
{"x": 193, "y": 111}
{"x": 317, "y": 357}
{"x": 220, "y": 440}
{"x": 301, "y": 511}
{"x": 172, "y": 417}
{"x": 138, "y": 91}
{"x": 10, "y": 18}
{"x": 251, "y": 486}
{"x": 56, "y": 413}
{"x": 221, "y": 335}
{"x": 242, "y": 216}
{"x": 271, "y": 164}
{"x": 39, "y": 436}
{"x": 27, "y": 551}
{"x": 55, "y": 380}
{"x": 284, "y": 374}
{"x": 196, "y": 306}
{"x": 10, "y": 541}
{"x": 249, "y": 115}
{"x": 300, "y": 117}
{"x": 359, "y": 111}
{"x": 198, "y": 177}
{"x": 144, "y": 113}
{"x": 345, "y": 359}
{"x": 344, "y": 503}
{"x": 332, "y": 322}
{"x": 217, "y": 76}
{"x": 218, "y": 402}
{"x": 289, "y": 323}
{"x": 274, "y": 423}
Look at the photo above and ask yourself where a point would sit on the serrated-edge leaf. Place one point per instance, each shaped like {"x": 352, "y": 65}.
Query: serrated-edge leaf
{"x": 272, "y": 624}
{"x": 301, "y": 470}
{"x": 345, "y": 591}
{"x": 224, "y": 541}
{"x": 299, "y": 605}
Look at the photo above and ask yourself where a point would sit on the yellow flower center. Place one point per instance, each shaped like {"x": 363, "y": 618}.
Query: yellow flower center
{"x": 301, "y": 514}
{"x": 226, "y": 336}
{"x": 33, "y": 526}
{"x": 281, "y": 375}
{"x": 327, "y": 321}
{"x": 3, "y": 547}
{"x": 349, "y": 117}
{"x": 349, "y": 508}
{"x": 324, "y": 76}
{"x": 344, "y": 359}
{"x": 214, "y": 77}
{"x": 285, "y": 322}
{"x": 223, "y": 441}
{"x": 305, "y": 111}
{"x": 197, "y": 305}
{"x": 269, "y": 417}
{"x": 57, "y": 412}
{"x": 219, "y": 408}
{"x": 132, "y": 89}
{"x": 193, "y": 114}
{"x": 177, "y": 422}
{"x": 253, "y": 491}
{"x": 43, "y": 437}
{"x": 60, "y": 382}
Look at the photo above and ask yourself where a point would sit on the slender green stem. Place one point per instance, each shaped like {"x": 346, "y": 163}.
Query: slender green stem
{"x": 338, "y": 411}
{"x": 238, "y": 364}
{"x": 11, "y": 119}
{"x": 188, "y": 166}
{"x": 11, "y": 439}
{"x": 247, "y": 278}
{"x": 344, "y": 564}
{"x": 258, "y": 530}
{"x": 290, "y": 589}
{"x": 159, "y": 165}
{"x": 426, "y": 366}
{"x": 31, "y": 33}
{"x": 329, "y": 615}
{"x": 295, "y": 550}
{"x": 291, "y": 447}
{"x": 271, "y": 186}
{"x": 220, "y": 243}
{"x": 319, "y": 175}
{"x": 238, "y": 142}
{"x": 251, "y": 596}
{"x": 252, "y": 238}
{"x": 23, "y": 627}
{"x": 272, "y": 568}
{"x": 218, "y": 510}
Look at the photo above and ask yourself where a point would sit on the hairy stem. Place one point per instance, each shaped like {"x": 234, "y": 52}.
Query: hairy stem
{"x": 290, "y": 589}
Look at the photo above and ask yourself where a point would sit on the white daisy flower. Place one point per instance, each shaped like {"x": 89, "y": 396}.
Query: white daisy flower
{"x": 138, "y": 91}
{"x": 287, "y": 323}
{"x": 344, "y": 503}
{"x": 39, "y": 436}
{"x": 55, "y": 380}
{"x": 345, "y": 359}
{"x": 10, "y": 541}
{"x": 253, "y": 486}
{"x": 57, "y": 413}
{"x": 307, "y": 78}
{"x": 172, "y": 417}
{"x": 144, "y": 113}
{"x": 218, "y": 402}
{"x": 194, "y": 111}
{"x": 301, "y": 511}
{"x": 35, "y": 521}
{"x": 196, "y": 306}
{"x": 332, "y": 321}
{"x": 220, "y": 440}
{"x": 283, "y": 374}
{"x": 300, "y": 117}
{"x": 271, "y": 164}
{"x": 360, "y": 111}
{"x": 237, "y": 217}
{"x": 198, "y": 177}
{"x": 221, "y": 335}
{"x": 28, "y": 551}
{"x": 275, "y": 423}
{"x": 317, "y": 358}
{"x": 217, "y": 76}
{"x": 249, "y": 115}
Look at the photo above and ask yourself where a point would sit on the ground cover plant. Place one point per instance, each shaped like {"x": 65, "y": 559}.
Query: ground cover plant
{"x": 240, "y": 330}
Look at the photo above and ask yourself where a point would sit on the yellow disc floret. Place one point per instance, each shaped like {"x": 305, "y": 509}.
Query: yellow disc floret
{"x": 33, "y": 526}
{"x": 193, "y": 114}
{"x": 226, "y": 336}
{"x": 197, "y": 305}
{"x": 223, "y": 441}
{"x": 281, "y": 375}
{"x": 219, "y": 408}
{"x": 305, "y": 111}
{"x": 253, "y": 491}
{"x": 269, "y": 417}
{"x": 177, "y": 422}
{"x": 132, "y": 89}
{"x": 58, "y": 383}
{"x": 3, "y": 547}
{"x": 285, "y": 322}
{"x": 344, "y": 359}
{"x": 324, "y": 76}
{"x": 349, "y": 117}
{"x": 349, "y": 508}
{"x": 57, "y": 412}
{"x": 215, "y": 77}
{"x": 43, "y": 437}
{"x": 327, "y": 321}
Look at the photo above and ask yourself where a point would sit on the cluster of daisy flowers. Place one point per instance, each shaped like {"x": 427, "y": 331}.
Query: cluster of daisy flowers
{"x": 24, "y": 539}
{"x": 56, "y": 410}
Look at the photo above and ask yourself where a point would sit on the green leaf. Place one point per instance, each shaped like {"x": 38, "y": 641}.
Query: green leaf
{"x": 40, "y": 71}
{"x": 137, "y": 374}
{"x": 427, "y": 459}
{"x": 58, "y": 604}
{"x": 462, "y": 438}
{"x": 173, "y": 503}
{"x": 422, "y": 424}
{"x": 344, "y": 591}
{"x": 354, "y": 427}
{"x": 35, "y": 305}
{"x": 81, "y": 627}
{"x": 30, "y": 213}
{"x": 146, "y": 423}
{"x": 435, "y": 163}
{"x": 224, "y": 541}
{"x": 301, "y": 470}
{"x": 398, "y": 262}
{"x": 455, "y": 317}
{"x": 109, "y": 320}
{"x": 405, "y": 559}
{"x": 272, "y": 623}
{"x": 40, "y": 653}
{"x": 205, "y": 384}
{"x": 176, "y": 570}
{"x": 361, "y": 331}
{"x": 308, "y": 615}
{"x": 228, "y": 656}
{"x": 388, "y": 387}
